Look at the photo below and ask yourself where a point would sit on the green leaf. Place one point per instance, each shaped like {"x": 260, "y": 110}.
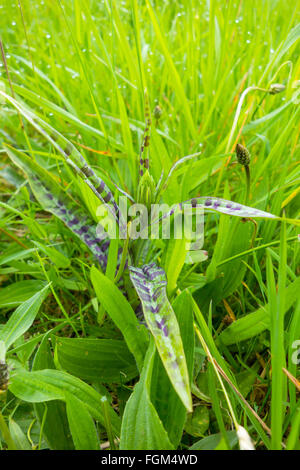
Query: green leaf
{"x": 211, "y": 442}
{"x": 120, "y": 311}
{"x": 22, "y": 318}
{"x": 150, "y": 283}
{"x": 15, "y": 255}
{"x": 52, "y": 415}
{"x": 16, "y": 293}
{"x": 141, "y": 426}
{"x": 198, "y": 421}
{"x": 60, "y": 260}
{"x": 175, "y": 259}
{"x": 255, "y": 323}
{"x": 18, "y": 436}
{"x": 47, "y": 385}
{"x": 176, "y": 80}
{"x": 24, "y": 348}
{"x": 100, "y": 360}
{"x": 82, "y": 425}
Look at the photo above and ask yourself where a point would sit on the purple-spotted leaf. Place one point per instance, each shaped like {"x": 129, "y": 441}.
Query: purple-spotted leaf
{"x": 216, "y": 204}
{"x": 70, "y": 154}
{"x": 150, "y": 283}
{"x": 56, "y": 201}
{"x": 230, "y": 208}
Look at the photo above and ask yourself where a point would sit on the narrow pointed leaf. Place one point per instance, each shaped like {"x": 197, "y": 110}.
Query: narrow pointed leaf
{"x": 56, "y": 201}
{"x": 16, "y": 293}
{"x": 254, "y": 323}
{"x": 150, "y": 283}
{"x": 68, "y": 151}
{"x": 18, "y": 436}
{"x": 22, "y": 318}
{"x": 216, "y": 204}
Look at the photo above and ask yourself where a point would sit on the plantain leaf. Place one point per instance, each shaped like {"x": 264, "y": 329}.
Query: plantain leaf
{"x": 18, "y": 436}
{"x": 224, "y": 280}
{"x": 122, "y": 314}
{"x": 53, "y": 199}
{"x": 104, "y": 360}
{"x": 82, "y": 425}
{"x": 52, "y": 415}
{"x": 150, "y": 283}
{"x": 141, "y": 426}
{"x": 48, "y": 384}
{"x": 212, "y": 441}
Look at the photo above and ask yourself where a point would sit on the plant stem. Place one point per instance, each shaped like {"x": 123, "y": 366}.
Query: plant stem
{"x": 247, "y": 170}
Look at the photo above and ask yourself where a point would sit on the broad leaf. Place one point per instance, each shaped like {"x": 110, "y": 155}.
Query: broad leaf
{"x": 47, "y": 385}
{"x": 212, "y": 441}
{"x": 18, "y": 436}
{"x": 51, "y": 415}
{"x": 103, "y": 360}
{"x": 141, "y": 426}
{"x": 122, "y": 314}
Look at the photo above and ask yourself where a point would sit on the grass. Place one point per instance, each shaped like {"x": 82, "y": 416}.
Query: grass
{"x": 80, "y": 361}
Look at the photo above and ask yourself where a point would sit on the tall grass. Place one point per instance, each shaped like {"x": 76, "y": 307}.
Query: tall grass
{"x": 83, "y": 66}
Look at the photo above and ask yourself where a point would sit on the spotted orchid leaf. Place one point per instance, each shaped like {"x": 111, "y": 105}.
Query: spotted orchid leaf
{"x": 70, "y": 154}
{"x": 55, "y": 200}
{"x": 216, "y": 204}
{"x": 228, "y": 207}
{"x": 150, "y": 283}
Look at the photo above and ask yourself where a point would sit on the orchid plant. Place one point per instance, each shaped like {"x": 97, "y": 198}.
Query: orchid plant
{"x": 149, "y": 280}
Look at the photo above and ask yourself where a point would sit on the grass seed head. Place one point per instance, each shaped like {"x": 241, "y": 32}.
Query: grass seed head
{"x": 242, "y": 155}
